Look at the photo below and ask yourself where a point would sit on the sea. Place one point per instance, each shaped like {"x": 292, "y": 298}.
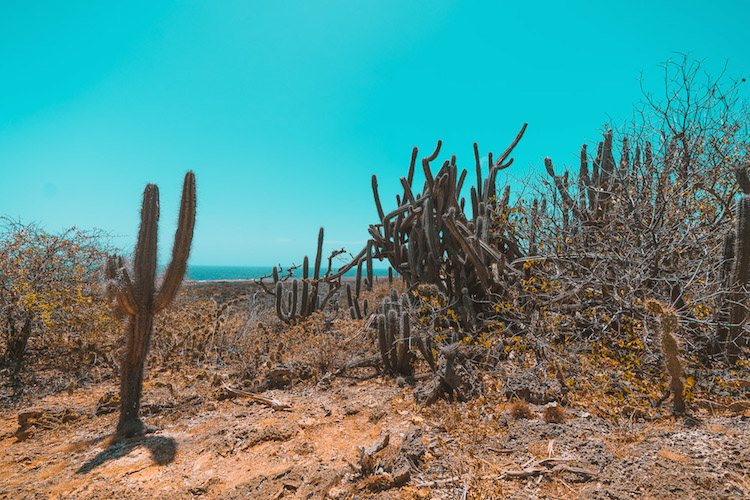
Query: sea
{"x": 209, "y": 273}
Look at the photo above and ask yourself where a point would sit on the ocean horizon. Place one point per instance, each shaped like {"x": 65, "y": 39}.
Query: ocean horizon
{"x": 209, "y": 273}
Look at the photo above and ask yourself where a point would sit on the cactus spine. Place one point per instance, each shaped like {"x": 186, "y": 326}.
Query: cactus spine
{"x": 139, "y": 299}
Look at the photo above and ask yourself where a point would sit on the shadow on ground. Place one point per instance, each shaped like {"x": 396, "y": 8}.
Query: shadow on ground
{"x": 163, "y": 451}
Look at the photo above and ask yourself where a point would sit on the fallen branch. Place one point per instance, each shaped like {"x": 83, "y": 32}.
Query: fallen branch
{"x": 368, "y": 362}
{"x": 534, "y": 471}
{"x": 273, "y": 403}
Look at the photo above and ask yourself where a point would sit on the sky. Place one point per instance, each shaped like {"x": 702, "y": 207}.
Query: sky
{"x": 284, "y": 110}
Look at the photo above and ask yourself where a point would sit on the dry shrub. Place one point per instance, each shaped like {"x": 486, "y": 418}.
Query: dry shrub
{"x": 199, "y": 329}
{"x": 521, "y": 410}
{"x": 554, "y": 415}
{"x": 324, "y": 341}
{"x": 48, "y": 301}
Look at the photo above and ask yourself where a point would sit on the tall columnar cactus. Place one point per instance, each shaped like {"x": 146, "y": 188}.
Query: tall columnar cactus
{"x": 139, "y": 298}
{"x": 723, "y": 306}
{"x": 740, "y": 274}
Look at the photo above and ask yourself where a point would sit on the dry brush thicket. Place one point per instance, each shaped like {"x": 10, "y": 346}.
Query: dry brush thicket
{"x": 482, "y": 279}
{"x": 660, "y": 211}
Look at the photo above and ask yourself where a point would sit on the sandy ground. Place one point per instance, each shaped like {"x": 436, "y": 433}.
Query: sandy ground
{"x": 206, "y": 447}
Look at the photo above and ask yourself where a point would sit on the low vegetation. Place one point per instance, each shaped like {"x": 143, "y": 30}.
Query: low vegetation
{"x": 601, "y": 292}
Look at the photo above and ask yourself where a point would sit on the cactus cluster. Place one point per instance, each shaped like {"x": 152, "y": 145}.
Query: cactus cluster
{"x": 303, "y": 300}
{"x": 134, "y": 293}
{"x": 394, "y": 335}
{"x": 428, "y": 237}
{"x": 357, "y": 310}
{"x": 597, "y": 188}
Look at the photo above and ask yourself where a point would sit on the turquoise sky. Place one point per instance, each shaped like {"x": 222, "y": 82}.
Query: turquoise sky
{"x": 285, "y": 109}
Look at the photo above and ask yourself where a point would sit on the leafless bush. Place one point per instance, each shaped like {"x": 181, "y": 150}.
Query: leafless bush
{"x": 647, "y": 225}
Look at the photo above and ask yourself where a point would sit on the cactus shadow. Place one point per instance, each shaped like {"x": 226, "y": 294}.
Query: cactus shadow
{"x": 163, "y": 451}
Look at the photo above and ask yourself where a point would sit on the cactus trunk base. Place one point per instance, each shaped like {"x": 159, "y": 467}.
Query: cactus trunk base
{"x": 131, "y": 379}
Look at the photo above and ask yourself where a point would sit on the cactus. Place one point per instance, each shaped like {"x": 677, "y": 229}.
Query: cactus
{"x": 533, "y": 224}
{"x": 286, "y": 312}
{"x": 723, "y": 307}
{"x": 394, "y": 335}
{"x": 561, "y": 182}
{"x": 737, "y": 294}
{"x": 669, "y": 324}
{"x": 356, "y": 310}
{"x": 428, "y": 238}
{"x": 310, "y": 299}
{"x": 595, "y": 189}
{"x": 139, "y": 298}
{"x": 368, "y": 256}
{"x": 740, "y": 172}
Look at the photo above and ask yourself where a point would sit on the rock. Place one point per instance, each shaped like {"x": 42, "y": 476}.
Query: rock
{"x": 413, "y": 448}
{"x": 429, "y": 392}
{"x": 456, "y": 376}
{"x": 203, "y": 488}
{"x": 375, "y": 415}
{"x": 325, "y": 382}
{"x": 401, "y": 471}
{"x": 377, "y": 482}
{"x": 533, "y": 386}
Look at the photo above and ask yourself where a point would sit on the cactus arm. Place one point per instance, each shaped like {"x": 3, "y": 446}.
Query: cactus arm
{"x": 126, "y": 296}
{"x": 430, "y": 180}
{"x": 295, "y": 287}
{"x": 392, "y": 337}
{"x": 119, "y": 286}
{"x": 377, "y": 197}
{"x": 281, "y": 311}
{"x": 304, "y": 310}
{"x": 479, "y": 267}
{"x": 368, "y": 262}
{"x": 182, "y": 242}
{"x": 430, "y": 230}
{"x": 460, "y": 184}
{"x": 144, "y": 266}
{"x": 584, "y": 183}
{"x": 408, "y": 195}
{"x": 403, "y": 345}
{"x": 509, "y": 150}
{"x": 412, "y": 164}
{"x": 478, "y": 166}
{"x": 358, "y": 279}
{"x": 561, "y": 184}
{"x": 474, "y": 201}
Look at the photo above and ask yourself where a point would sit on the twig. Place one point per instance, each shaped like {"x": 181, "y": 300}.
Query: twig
{"x": 440, "y": 482}
{"x": 273, "y": 403}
